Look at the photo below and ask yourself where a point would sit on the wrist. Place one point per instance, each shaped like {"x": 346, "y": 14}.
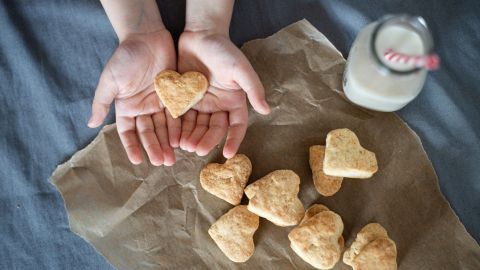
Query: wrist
{"x": 211, "y": 17}
{"x": 207, "y": 26}
{"x": 130, "y": 17}
{"x": 150, "y": 27}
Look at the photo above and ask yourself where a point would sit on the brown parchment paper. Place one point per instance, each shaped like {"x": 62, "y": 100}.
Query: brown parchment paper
{"x": 145, "y": 217}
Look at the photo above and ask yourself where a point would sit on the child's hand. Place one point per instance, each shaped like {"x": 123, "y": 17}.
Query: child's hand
{"x": 128, "y": 78}
{"x": 224, "y": 106}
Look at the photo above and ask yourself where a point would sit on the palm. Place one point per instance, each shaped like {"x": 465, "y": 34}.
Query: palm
{"x": 133, "y": 68}
{"x": 128, "y": 78}
{"x": 224, "y": 105}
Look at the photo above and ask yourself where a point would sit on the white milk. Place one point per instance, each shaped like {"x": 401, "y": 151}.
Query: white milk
{"x": 376, "y": 83}
{"x": 401, "y": 40}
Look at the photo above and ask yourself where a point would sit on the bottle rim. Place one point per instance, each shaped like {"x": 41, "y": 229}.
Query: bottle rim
{"x": 415, "y": 23}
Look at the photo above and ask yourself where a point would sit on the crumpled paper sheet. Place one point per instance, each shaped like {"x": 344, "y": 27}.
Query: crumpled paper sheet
{"x": 145, "y": 217}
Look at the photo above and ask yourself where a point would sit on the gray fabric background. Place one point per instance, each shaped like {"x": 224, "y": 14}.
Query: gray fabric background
{"x": 52, "y": 53}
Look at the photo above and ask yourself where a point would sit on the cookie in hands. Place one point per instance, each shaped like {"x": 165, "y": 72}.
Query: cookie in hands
{"x": 178, "y": 92}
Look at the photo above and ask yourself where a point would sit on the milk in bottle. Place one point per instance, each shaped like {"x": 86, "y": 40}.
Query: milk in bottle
{"x": 386, "y": 82}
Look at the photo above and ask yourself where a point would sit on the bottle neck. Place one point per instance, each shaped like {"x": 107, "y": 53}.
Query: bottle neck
{"x": 409, "y": 35}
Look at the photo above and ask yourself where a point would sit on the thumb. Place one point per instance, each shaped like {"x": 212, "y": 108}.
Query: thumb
{"x": 246, "y": 77}
{"x": 104, "y": 95}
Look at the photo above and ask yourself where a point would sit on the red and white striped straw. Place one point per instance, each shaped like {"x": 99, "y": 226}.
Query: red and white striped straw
{"x": 430, "y": 62}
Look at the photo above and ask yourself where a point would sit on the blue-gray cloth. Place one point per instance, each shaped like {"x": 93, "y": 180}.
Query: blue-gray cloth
{"x": 51, "y": 56}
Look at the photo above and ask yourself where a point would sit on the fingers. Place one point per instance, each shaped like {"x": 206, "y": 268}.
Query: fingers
{"x": 188, "y": 124}
{"x": 160, "y": 123}
{"x": 246, "y": 77}
{"x": 174, "y": 129}
{"x": 104, "y": 95}
{"x": 218, "y": 126}
{"x": 201, "y": 127}
{"x": 128, "y": 135}
{"x": 149, "y": 140}
{"x": 238, "y": 120}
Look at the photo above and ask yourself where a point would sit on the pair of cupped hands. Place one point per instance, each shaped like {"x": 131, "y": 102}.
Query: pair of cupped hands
{"x": 141, "y": 118}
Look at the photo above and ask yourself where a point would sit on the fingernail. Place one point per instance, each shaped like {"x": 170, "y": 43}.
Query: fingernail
{"x": 227, "y": 156}
{"x": 135, "y": 162}
{"x": 266, "y": 107}
{"x": 169, "y": 163}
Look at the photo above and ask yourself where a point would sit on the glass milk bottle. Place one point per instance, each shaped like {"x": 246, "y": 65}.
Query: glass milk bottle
{"x": 388, "y": 63}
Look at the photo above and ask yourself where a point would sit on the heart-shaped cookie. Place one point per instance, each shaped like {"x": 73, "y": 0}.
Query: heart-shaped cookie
{"x": 345, "y": 157}
{"x": 372, "y": 250}
{"x": 233, "y": 233}
{"x": 325, "y": 184}
{"x": 318, "y": 239}
{"x": 227, "y": 180}
{"x": 180, "y": 92}
{"x": 275, "y": 197}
